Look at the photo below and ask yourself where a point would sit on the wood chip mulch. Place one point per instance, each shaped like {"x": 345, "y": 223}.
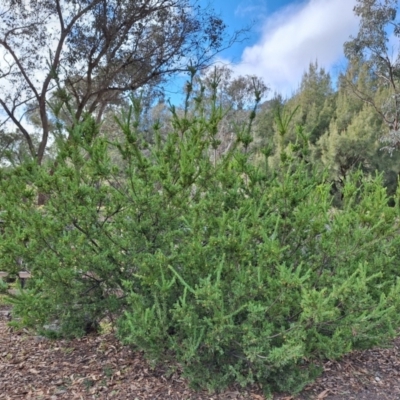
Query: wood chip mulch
{"x": 361, "y": 375}
{"x": 99, "y": 367}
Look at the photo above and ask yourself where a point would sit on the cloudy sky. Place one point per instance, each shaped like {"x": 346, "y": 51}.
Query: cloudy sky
{"x": 286, "y": 36}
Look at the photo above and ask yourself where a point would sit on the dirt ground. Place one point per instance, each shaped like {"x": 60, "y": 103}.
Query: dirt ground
{"x": 98, "y": 367}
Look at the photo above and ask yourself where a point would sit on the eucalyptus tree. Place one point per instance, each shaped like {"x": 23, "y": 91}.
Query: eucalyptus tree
{"x": 90, "y": 53}
{"x": 13, "y": 148}
{"x": 377, "y": 46}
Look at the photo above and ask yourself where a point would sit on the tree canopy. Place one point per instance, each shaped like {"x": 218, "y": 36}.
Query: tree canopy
{"x": 92, "y": 52}
{"x": 376, "y": 47}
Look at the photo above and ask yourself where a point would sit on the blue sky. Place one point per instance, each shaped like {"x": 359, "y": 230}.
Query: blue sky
{"x": 286, "y": 36}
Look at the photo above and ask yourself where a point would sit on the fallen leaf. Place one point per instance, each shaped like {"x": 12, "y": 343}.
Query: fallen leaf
{"x": 323, "y": 394}
{"x": 33, "y": 371}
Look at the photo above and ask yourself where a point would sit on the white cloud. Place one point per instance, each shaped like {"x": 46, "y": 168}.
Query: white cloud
{"x": 252, "y": 8}
{"x": 294, "y": 37}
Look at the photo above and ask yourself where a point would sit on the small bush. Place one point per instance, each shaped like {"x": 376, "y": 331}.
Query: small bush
{"x": 236, "y": 273}
{"x": 264, "y": 280}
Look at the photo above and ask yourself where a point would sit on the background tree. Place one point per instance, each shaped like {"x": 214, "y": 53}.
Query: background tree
{"x": 214, "y": 89}
{"x": 351, "y": 141}
{"x": 234, "y": 96}
{"x": 375, "y": 47}
{"x": 315, "y": 99}
{"x": 264, "y": 125}
{"x": 351, "y": 138}
{"x": 13, "y": 148}
{"x": 312, "y": 107}
{"x": 95, "y": 51}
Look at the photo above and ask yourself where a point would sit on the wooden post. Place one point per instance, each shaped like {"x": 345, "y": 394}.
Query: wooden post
{"x": 23, "y": 275}
{"x": 3, "y": 274}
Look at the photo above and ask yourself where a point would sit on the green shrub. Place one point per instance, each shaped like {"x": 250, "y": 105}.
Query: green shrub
{"x": 3, "y": 286}
{"x": 265, "y": 279}
{"x": 233, "y": 272}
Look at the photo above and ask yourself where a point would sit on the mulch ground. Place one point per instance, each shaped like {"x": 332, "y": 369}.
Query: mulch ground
{"x": 99, "y": 367}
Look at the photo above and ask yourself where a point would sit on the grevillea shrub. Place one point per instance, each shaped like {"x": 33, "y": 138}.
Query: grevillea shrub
{"x": 231, "y": 272}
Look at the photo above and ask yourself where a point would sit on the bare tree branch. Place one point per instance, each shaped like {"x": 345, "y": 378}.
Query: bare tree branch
{"x": 20, "y": 127}
{"x": 96, "y": 50}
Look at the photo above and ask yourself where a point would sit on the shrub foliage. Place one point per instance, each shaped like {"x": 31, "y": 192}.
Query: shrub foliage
{"x": 232, "y": 271}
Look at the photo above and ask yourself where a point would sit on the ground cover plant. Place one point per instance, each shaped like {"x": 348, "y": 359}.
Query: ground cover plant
{"x": 232, "y": 271}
